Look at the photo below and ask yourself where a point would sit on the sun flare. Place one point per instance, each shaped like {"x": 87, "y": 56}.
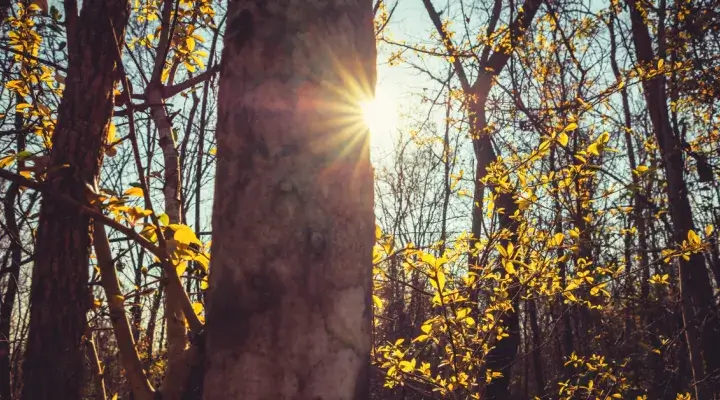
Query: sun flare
{"x": 380, "y": 116}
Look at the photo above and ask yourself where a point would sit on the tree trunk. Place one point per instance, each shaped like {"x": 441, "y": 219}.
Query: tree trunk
{"x": 702, "y": 329}
{"x": 536, "y": 348}
{"x": 289, "y": 313}
{"x": 54, "y": 359}
{"x": 8, "y": 301}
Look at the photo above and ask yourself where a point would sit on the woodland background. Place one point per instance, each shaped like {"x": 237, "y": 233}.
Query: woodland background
{"x": 546, "y": 201}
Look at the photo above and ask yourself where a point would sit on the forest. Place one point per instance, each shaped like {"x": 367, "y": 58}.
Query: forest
{"x": 359, "y": 199}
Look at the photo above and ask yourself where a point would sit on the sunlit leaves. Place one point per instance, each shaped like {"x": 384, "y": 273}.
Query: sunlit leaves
{"x": 693, "y": 238}
{"x": 183, "y": 234}
{"x": 659, "y": 279}
{"x": 563, "y": 139}
{"x": 199, "y": 309}
{"x": 134, "y": 192}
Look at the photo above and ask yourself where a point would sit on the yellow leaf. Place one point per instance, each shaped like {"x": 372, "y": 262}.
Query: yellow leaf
{"x": 558, "y": 238}
{"x": 429, "y": 259}
{"x": 190, "y": 43}
{"x": 641, "y": 169}
{"x": 212, "y": 151}
{"x": 203, "y": 259}
{"x": 709, "y": 230}
{"x": 441, "y": 280}
{"x": 204, "y": 284}
{"x": 7, "y": 160}
{"x": 693, "y": 237}
{"x": 134, "y": 192}
{"x": 183, "y": 234}
{"x": 421, "y": 338}
{"x": 111, "y": 133}
{"x": 180, "y": 268}
{"x": 22, "y": 107}
{"x": 501, "y": 250}
{"x": 563, "y": 139}
{"x": 661, "y": 62}
{"x": 377, "y": 301}
{"x": 164, "y": 219}
{"x": 510, "y": 268}
{"x": 593, "y": 149}
{"x": 407, "y": 366}
{"x": 571, "y": 127}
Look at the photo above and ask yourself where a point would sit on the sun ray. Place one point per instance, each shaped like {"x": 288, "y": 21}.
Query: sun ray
{"x": 380, "y": 116}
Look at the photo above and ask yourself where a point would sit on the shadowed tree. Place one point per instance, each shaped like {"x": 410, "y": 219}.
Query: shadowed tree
{"x": 60, "y": 297}
{"x": 289, "y": 310}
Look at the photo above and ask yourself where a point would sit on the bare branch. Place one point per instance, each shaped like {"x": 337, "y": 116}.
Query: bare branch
{"x": 172, "y": 90}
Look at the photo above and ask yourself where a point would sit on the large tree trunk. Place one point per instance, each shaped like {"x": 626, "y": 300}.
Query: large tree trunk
{"x": 702, "y": 328}
{"x": 54, "y": 359}
{"x": 289, "y": 313}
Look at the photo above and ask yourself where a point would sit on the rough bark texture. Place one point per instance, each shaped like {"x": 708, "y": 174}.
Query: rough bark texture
{"x": 289, "y": 313}
{"x": 54, "y": 359}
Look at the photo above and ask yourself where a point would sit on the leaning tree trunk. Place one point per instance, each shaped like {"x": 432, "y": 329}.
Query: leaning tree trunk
{"x": 289, "y": 311}
{"x": 54, "y": 359}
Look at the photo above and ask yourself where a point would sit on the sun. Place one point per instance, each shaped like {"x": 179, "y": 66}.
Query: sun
{"x": 380, "y": 116}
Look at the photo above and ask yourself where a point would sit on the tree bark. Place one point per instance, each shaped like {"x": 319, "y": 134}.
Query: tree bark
{"x": 54, "y": 359}
{"x": 289, "y": 313}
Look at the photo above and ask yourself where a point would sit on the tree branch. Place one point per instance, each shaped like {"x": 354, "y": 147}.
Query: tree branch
{"x": 141, "y": 387}
{"x": 172, "y": 90}
{"x": 459, "y": 70}
{"x": 498, "y": 59}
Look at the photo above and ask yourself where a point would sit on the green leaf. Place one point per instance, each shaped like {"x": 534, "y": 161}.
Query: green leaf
{"x": 23, "y": 155}
{"x": 164, "y": 219}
